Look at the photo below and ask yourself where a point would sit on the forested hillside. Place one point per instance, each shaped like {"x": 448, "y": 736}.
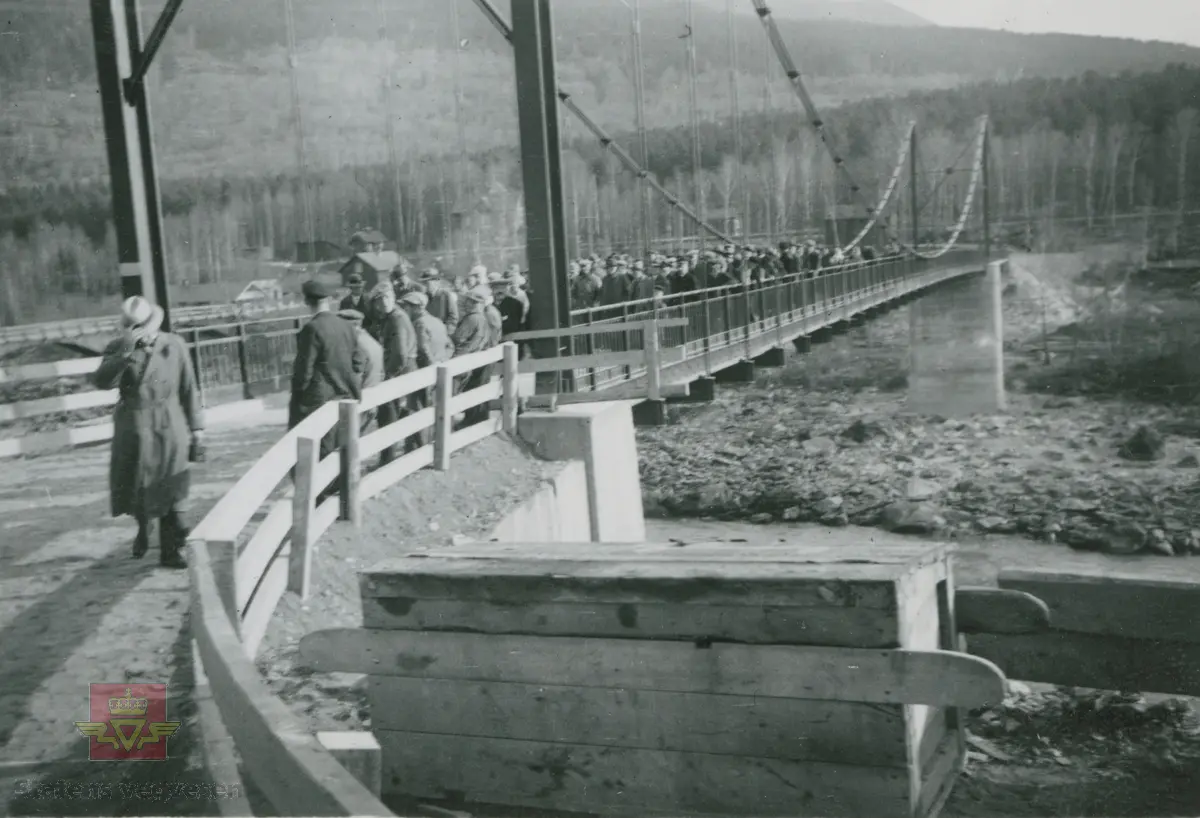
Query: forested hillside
{"x": 1091, "y": 144}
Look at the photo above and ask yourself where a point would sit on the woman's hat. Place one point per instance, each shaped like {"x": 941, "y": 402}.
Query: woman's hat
{"x": 138, "y": 313}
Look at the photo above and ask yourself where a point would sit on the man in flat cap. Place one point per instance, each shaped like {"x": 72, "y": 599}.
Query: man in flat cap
{"x": 372, "y": 354}
{"x": 474, "y": 334}
{"x": 328, "y": 364}
{"x": 443, "y": 303}
{"x": 357, "y": 300}
{"x": 433, "y": 347}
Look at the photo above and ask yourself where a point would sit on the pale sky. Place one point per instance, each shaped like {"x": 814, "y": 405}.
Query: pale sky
{"x": 1170, "y": 20}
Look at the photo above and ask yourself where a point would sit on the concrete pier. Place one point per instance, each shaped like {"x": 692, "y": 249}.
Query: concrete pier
{"x": 956, "y": 348}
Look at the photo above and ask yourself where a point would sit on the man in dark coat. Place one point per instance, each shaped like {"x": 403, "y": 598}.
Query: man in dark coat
{"x": 328, "y": 363}
{"x": 372, "y": 354}
{"x": 158, "y": 419}
{"x": 395, "y": 333}
{"x": 357, "y": 300}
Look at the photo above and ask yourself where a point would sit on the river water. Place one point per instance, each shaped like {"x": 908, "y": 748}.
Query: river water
{"x": 976, "y": 560}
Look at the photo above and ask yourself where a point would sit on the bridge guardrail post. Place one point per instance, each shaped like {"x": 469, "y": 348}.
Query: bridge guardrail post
{"x": 308, "y": 455}
{"x": 625, "y": 341}
{"x": 509, "y": 390}
{"x": 748, "y": 318}
{"x": 351, "y": 463}
{"x": 443, "y": 391}
{"x": 727, "y": 307}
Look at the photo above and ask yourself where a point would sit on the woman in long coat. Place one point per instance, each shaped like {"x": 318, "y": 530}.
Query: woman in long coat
{"x": 157, "y": 419}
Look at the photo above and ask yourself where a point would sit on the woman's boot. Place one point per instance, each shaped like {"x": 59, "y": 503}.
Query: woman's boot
{"x": 141, "y": 543}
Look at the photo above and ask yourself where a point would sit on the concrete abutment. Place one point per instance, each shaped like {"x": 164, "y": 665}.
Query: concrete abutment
{"x": 740, "y": 372}
{"x": 956, "y": 348}
{"x": 774, "y": 357}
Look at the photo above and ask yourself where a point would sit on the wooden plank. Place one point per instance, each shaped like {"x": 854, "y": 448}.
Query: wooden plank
{"x": 43, "y": 372}
{"x": 266, "y": 541}
{"x": 325, "y": 515}
{"x": 995, "y": 610}
{"x": 286, "y": 763}
{"x": 473, "y": 434}
{"x": 938, "y": 678}
{"x": 833, "y": 627}
{"x": 598, "y": 361}
{"x": 593, "y": 329}
{"x": 304, "y": 501}
{"x": 392, "y": 434}
{"x": 590, "y": 779}
{"x": 653, "y": 363}
{"x": 387, "y": 476}
{"x": 443, "y": 419}
{"x": 939, "y": 777}
{"x": 326, "y": 472}
{"x": 1114, "y": 604}
{"x": 60, "y": 403}
{"x": 399, "y": 387}
{"x": 795, "y": 729}
{"x": 898, "y": 552}
{"x": 480, "y": 394}
{"x": 359, "y": 753}
{"x": 475, "y": 360}
{"x": 51, "y": 441}
{"x": 695, "y": 582}
{"x": 1092, "y": 660}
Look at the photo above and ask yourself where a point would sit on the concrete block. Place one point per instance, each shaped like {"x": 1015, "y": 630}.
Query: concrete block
{"x": 822, "y": 336}
{"x": 703, "y": 390}
{"x": 771, "y": 358}
{"x": 650, "y": 413}
{"x": 956, "y": 348}
{"x": 839, "y": 328}
{"x": 740, "y": 372}
{"x": 359, "y": 753}
{"x": 558, "y": 512}
{"x": 601, "y": 435}
{"x": 803, "y": 344}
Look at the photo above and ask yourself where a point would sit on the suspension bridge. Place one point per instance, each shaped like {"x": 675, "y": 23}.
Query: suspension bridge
{"x": 249, "y": 549}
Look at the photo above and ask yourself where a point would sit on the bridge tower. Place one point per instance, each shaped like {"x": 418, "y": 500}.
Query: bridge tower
{"x": 541, "y": 169}
{"x": 121, "y": 65}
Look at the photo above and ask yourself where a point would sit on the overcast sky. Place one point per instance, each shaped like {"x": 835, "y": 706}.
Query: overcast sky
{"x": 1171, "y": 20}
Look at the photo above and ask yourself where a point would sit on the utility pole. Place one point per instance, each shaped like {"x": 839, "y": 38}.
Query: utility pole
{"x": 639, "y": 93}
{"x": 913, "y": 190}
{"x": 390, "y": 118}
{"x": 121, "y": 65}
{"x": 737, "y": 115}
{"x": 298, "y": 119}
{"x": 697, "y": 180}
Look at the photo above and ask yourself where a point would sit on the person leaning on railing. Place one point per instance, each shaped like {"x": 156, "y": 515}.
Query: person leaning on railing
{"x": 433, "y": 347}
{"x": 157, "y": 428}
{"x": 474, "y": 333}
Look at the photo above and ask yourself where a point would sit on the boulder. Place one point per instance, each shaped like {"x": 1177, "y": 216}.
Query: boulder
{"x": 820, "y": 446}
{"x": 1144, "y": 445}
{"x": 919, "y": 489}
{"x": 905, "y": 517}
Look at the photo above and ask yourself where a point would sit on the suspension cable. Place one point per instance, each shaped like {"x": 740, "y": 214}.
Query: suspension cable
{"x": 945, "y": 174}
{"x": 976, "y": 173}
{"x": 887, "y": 193}
{"x": 298, "y": 123}
{"x": 797, "y": 82}
{"x": 502, "y": 25}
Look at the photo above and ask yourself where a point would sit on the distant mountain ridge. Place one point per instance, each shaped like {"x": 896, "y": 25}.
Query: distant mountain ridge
{"x": 873, "y": 12}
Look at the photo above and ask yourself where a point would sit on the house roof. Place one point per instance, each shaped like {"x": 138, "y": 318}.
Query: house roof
{"x": 260, "y": 287}
{"x": 383, "y": 262}
{"x": 369, "y": 236}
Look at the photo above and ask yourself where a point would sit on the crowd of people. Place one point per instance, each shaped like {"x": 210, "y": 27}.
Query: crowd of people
{"x": 396, "y": 327}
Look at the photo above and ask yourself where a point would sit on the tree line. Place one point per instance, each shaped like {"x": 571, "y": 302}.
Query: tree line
{"x": 1090, "y": 148}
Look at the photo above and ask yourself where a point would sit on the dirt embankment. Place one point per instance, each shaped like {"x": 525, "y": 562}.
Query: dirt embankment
{"x": 485, "y": 482}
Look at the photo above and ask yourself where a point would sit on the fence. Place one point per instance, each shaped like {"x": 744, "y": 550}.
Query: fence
{"x": 256, "y": 543}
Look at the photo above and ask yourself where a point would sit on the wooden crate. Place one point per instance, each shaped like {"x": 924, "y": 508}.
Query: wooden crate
{"x": 719, "y": 679}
